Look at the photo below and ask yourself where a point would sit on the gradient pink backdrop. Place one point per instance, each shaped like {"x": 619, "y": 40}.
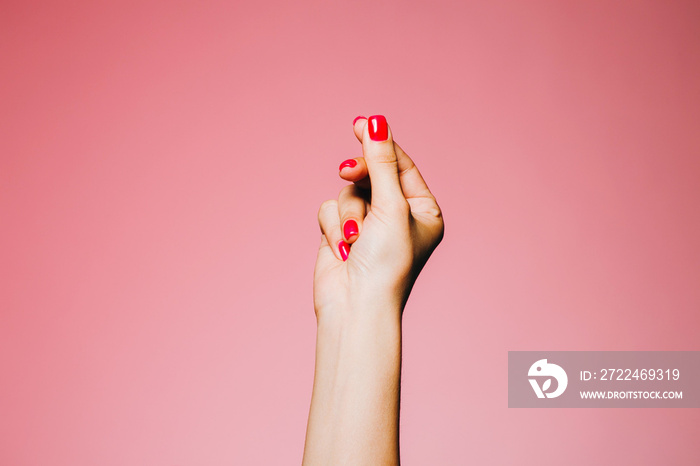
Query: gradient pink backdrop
{"x": 163, "y": 162}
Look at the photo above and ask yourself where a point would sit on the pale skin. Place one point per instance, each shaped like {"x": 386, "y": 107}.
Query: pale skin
{"x": 359, "y": 302}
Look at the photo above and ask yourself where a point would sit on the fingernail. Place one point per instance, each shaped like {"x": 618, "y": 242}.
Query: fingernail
{"x": 350, "y": 229}
{"x": 348, "y": 163}
{"x": 344, "y": 249}
{"x": 357, "y": 118}
{"x": 378, "y": 130}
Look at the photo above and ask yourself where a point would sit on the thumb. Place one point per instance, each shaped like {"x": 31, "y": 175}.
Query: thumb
{"x": 382, "y": 164}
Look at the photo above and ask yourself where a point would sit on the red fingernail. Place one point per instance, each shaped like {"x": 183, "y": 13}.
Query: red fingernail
{"x": 344, "y": 249}
{"x": 357, "y": 118}
{"x": 378, "y": 130}
{"x": 348, "y": 163}
{"x": 350, "y": 229}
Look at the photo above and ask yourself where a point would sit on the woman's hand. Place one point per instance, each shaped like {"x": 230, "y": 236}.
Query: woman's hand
{"x": 376, "y": 238}
{"x": 380, "y": 231}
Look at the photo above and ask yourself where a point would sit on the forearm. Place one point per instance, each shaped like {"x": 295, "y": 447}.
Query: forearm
{"x": 354, "y": 416}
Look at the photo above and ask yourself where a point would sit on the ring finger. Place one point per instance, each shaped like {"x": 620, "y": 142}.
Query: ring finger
{"x": 352, "y": 210}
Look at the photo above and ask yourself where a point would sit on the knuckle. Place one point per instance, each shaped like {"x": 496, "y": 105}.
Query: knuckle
{"x": 350, "y": 200}
{"x": 347, "y": 191}
{"x": 384, "y": 158}
{"x": 411, "y": 167}
{"x": 399, "y": 206}
{"x": 328, "y": 204}
{"x": 435, "y": 211}
{"x": 325, "y": 205}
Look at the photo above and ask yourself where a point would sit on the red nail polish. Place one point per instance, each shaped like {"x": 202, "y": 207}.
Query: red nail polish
{"x": 344, "y": 249}
{"x": 378, "y": 130}
{"x": 348, "y": 163}
{"x": 357, "y": 118}
{"x": 350, "y": 229}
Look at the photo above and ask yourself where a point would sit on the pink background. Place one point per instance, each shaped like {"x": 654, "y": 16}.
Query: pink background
{"x": 161, "y": 169}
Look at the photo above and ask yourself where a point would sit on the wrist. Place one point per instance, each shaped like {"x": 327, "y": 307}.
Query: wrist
{"x": 362, "y": 312}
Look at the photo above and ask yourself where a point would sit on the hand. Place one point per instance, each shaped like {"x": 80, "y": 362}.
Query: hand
{"x": 379, "y": 233}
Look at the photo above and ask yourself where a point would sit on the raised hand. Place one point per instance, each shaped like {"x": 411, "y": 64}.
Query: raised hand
{"x": 381, "y": 230}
